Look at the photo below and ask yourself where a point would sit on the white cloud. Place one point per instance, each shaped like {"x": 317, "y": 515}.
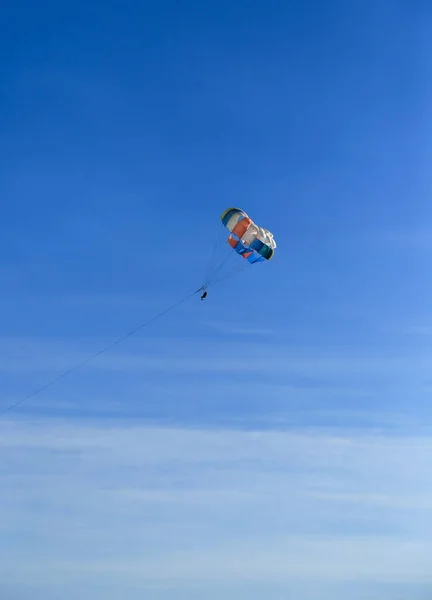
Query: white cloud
{"x": 91, "y": 502}
{"x": 171, "y": 356}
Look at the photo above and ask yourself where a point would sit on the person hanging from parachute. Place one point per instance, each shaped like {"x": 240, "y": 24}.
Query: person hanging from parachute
{"x": 204, "y": 295}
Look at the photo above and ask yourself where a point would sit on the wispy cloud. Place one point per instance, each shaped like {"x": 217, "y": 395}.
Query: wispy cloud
{"x": 82, "y": 502}
{"x": 415, "y": 329}
{"x": 340, "y": 385}
{"x": 171, "y": 355}
{"x": 414, "y": 238}
{"x": 241, "y": 329}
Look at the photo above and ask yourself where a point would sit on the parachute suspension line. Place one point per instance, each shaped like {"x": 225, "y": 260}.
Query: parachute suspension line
{"x": 211, "y": 264}
{"x": 214, "y": 264}
{"x": 232, "y": 252}
{"x": 237, "y": 271}
{"x": 96, "y": 354}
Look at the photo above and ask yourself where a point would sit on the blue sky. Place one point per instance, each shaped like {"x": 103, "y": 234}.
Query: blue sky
{"x": 276, "y": 439}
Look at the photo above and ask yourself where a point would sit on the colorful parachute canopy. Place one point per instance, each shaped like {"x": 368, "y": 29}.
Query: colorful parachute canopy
{"x": 249, "y": 240}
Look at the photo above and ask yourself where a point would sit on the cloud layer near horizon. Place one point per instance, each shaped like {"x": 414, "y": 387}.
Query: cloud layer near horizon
{"x": 142, "y": 506}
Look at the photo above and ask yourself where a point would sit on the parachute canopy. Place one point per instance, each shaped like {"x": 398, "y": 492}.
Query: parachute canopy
{"x": 246, "y": 239}
{"x": 252, "y": 242}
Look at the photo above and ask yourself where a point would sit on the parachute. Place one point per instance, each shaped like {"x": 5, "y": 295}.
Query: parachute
{"x": 246, "y": 239}
{"x": 254, "y": 243}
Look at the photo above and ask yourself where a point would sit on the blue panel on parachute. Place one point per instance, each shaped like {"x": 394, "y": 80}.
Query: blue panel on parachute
{"x": 257, "y": 245}
{"x": 255, "y": 257}
{"x": 241, "y": 248}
